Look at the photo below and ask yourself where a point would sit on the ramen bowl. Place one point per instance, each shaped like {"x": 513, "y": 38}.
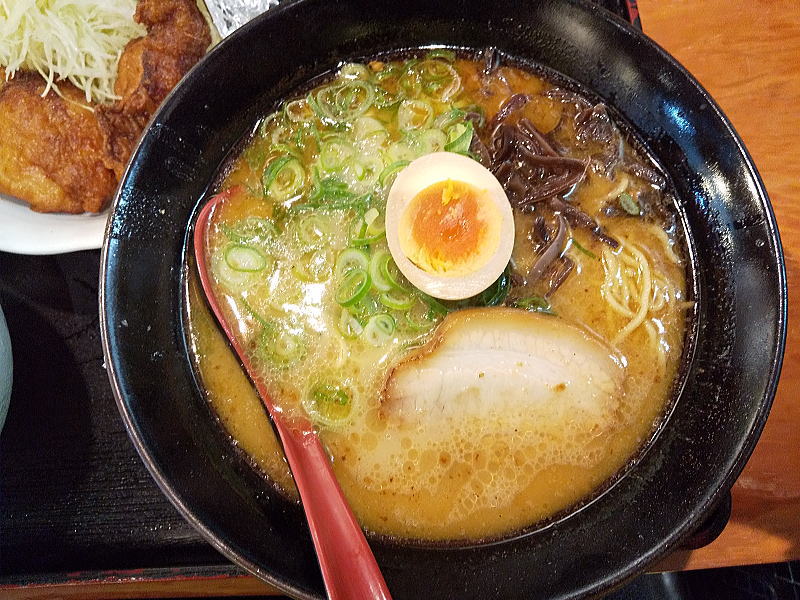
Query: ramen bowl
{"x": 731, "y": 365}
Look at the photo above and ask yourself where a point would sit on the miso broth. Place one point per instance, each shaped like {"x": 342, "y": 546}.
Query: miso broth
{"x": 298, "y": 250}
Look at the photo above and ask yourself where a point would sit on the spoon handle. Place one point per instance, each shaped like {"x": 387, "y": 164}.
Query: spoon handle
{"x": 345, "y": 558}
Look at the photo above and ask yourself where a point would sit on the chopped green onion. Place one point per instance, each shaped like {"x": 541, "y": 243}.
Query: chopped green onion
{"x": 351, "y": 258}
{"x": 368, "y": 127}
{"x": 582, "y": 249}
{"x": 354, "y": 71}
{"x": 334, "y": 154}
{"x": 401, "y": 152}
{"x": 379, "y": 329}
{"x": 460, "y": 138}
{"x": 299, "y": 111}
{"x": 386, "y": 99}
{"x": 414, "y": 114}
{"x": 253, "y": 312}
{"x": 389, "y": 272}
{"x": 392, "y": 170}
{"x": 449, "y": 118}
{"x": 534, "y": 304}
{"x": 244, "y": 258}
{"x": 281, "y": 346}
{"x": 313, "y": 229}
{"x": 442, "y": 53}
{"x": 629, "y": 205}
{"x": 439, "y": 79}
{"x": 496, "y": 293}
{"x": 313, "y": 267}
{"x": 328, "y": 403}
{"x": 249, "y": 229}
{"x": 376, "y": 223}
{"x": 343, "y": 101}
{"x": 362, "y": 172}
{"x": 348, "y": 325}
{"x": 397, "y": 300}
{"x": 377, "y": 268}
{"x": 232, "y": 279}
{"x": 283, "y": 178}
{"x": 420, "y": 317}
{"x": 434, "y": 305}
{"x": 365, "y": 308}
{"x": 360, "y": 233}
{"x": 431, "y": 140}
{"x": 354, "y": 286}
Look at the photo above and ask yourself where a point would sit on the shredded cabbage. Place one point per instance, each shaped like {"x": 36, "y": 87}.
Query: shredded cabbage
{"x": 77, "y": 40}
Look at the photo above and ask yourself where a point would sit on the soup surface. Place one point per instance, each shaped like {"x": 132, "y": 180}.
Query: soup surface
{"x": 446, "y": 420}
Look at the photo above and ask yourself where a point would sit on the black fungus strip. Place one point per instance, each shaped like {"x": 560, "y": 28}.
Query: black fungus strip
{"x": 643, "y": 171}
{"x": 511, "y": 105}
{"x": 491, "y": 61}
{"x": 560, "y": 274}
{"x": 577, "y": 218}
{"x": 540, "y": 230}
{"x": 550, "y": 254}
{"x": 502, "y": 143}
{"x": 479, "y": 150}
{"x": 541, "y": 144}
{"x": 528, "y": 167}
{"x": 563, "y": 95}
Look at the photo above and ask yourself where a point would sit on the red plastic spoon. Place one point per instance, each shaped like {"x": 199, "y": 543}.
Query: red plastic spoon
{"x": 348, "y": 566}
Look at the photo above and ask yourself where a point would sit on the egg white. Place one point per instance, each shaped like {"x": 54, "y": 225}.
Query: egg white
{"x": 421, "y": 174}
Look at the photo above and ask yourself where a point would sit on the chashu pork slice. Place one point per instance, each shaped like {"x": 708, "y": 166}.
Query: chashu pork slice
{"x": 505, "y": 361}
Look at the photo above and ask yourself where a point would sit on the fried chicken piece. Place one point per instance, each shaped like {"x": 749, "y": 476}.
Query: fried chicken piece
{"x": 52, "y": 149}
{"x": 61, "y": 157}
{"x": 177, "y": 37}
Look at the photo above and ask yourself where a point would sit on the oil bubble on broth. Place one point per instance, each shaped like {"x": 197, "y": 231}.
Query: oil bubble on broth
{"x": 447, "y": 420}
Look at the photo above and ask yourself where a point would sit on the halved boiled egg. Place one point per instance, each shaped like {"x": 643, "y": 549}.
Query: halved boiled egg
{"x": 449, "y": 225}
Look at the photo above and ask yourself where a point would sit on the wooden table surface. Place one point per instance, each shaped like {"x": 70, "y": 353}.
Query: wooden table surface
{"x": 747, "y": 55}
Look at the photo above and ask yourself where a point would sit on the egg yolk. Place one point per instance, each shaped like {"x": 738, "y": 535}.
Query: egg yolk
{"x": 449, "y": 228}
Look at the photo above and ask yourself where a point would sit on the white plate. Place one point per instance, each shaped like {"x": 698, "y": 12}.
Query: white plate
{"x": 24, "y": 231}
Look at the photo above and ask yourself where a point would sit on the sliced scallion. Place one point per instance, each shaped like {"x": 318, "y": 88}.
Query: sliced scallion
{"x": 460, "y": 138}
{"x": 345, "y": 100}
{"x": 535, "y": 304}
{"x": 348, "y": 325}
{"x": 244, "y": 258}
{"x": 328, "y": 403}
{"x": 431, "y": 140}
{"x": 353, "y": 287}
{"x": 419, "y": 317}
{"x": 388, "y": 174}
{"x": 281, "y": 346}
{"x": 334, "y": 153}
{"x": 442, "y": 53}
{"x": 313, "y": 267}
{"x": 349, "y": 259}
{"x": 283, "y": 178}
{"x": 313, "y": 229}
{"x": 629, "y": 204}
{"x": 397, "y": 300}
{"x": 586, "y": 251}
{"x": 377, "y": 268}
{"x": 379, "y": 329}
{"x": 354, "y": 71}
{"x": 414, "y": 114}
{"x": 299, "y": 111}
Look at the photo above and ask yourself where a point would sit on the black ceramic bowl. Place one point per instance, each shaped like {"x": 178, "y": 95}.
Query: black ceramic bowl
{"x": 738, "y": 268}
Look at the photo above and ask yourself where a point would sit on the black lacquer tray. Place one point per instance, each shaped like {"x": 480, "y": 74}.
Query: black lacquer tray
{"x": 76, "y": 502}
